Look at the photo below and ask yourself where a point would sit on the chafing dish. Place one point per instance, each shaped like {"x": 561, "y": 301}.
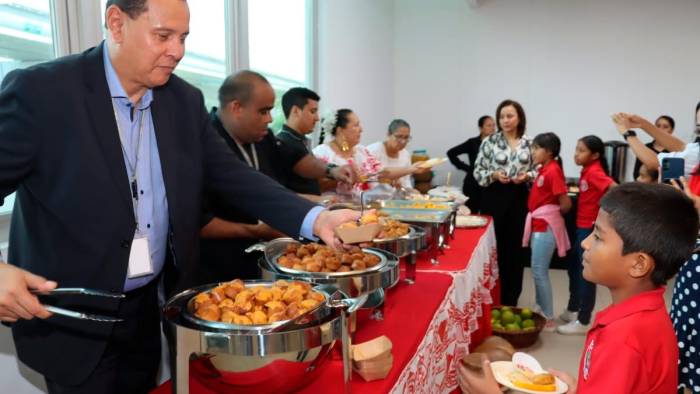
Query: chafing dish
{"x": 406, "y": 246}
{"x": 240, "y": 359}
{"x": 437, "y": 225}
{"x": 352, "y": 283}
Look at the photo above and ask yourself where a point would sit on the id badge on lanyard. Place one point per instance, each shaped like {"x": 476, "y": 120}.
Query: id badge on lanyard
{"x": 140, "y": 263}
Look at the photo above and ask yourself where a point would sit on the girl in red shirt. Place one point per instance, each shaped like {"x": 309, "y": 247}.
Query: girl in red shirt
{"x": 593, "y": 184}
{"x": 544, "y": 226}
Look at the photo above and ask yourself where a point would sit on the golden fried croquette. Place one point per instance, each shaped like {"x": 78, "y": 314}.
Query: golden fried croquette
{"x": 264, "y": 295}
{"x": 209, "y": 312}
{"x": 258, "y": 317}
{"x": 292, "y": 295}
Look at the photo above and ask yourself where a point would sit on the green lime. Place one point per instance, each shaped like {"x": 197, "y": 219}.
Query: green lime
{"x": 495, "y": 314}
{"x": 512, "y": 327}
{"x": 528, "y": 323}
{"x": 529, "y": 329}
{"x": 507, "y": 317}
{"x": 497, "y": 325}
{"x": 526, "y": 313}
{"x": 505, "y": 308}
{"x": 518, "y": 319}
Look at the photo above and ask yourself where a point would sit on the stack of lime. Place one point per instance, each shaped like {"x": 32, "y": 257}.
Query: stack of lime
{"x": 508, "y": 319}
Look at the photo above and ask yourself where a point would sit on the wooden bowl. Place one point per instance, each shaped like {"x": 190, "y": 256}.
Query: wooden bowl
{"x": 521, "y": 338}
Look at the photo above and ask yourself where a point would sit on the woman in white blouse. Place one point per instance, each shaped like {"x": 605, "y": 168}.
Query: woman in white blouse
{"x": 503, "y": 168}
{"x": 344, "y": 148}
{"x": 392, "y": 152}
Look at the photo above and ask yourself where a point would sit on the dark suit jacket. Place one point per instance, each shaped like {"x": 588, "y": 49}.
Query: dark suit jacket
{"x": 73, "y": 220}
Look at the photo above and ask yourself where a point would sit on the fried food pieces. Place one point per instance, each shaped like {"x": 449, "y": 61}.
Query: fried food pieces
{"x": 319, "y": 258}
{"x": 393, "y": 229}
{"x": 234, "y": 302}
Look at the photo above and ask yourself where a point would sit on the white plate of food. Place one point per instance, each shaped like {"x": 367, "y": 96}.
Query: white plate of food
{"x": 525, "y": 374}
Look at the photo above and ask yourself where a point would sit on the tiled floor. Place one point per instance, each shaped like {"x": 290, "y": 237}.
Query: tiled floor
{"x": 558, "y": 351}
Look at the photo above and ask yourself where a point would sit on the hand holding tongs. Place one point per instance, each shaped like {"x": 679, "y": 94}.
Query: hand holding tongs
{"x": 82, "y": 291}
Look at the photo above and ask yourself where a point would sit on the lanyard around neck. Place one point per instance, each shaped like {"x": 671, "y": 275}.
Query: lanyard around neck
{"x": 133, "y": 177}
{"x": 253, "y": 163}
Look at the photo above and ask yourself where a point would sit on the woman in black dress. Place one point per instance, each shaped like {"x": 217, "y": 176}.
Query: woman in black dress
{"x": 470, "y": 188}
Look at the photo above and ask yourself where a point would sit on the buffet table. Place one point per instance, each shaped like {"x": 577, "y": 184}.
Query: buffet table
{"x": 431, "y": 323}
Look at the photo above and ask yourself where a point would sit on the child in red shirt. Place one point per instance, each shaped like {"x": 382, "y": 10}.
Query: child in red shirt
{"x": 544, "y": 226}
{"x": 593, "y": 184}
{"x": 631, "y": 347}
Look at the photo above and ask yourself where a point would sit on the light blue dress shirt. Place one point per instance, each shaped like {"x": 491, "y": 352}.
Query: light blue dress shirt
{"x": 152, "y": 205}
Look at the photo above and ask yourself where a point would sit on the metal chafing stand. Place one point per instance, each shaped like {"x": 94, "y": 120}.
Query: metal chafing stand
{"x": 254, "y": 360}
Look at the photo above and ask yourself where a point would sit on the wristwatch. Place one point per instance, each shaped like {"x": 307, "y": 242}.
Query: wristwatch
{"x": 330, "y": 168}
{"x": 628, "y": 134}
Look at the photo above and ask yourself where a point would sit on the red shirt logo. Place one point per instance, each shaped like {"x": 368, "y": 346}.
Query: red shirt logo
{"x": 584, "y": 185}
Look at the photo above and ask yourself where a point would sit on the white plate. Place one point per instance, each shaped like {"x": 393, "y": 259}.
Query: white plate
{"x": 471, "y": 221}
{"x": 503, "y": 369}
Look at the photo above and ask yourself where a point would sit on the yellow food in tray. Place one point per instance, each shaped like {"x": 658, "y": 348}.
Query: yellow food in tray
{"x": 420, "y": 204}
{"x": 314, "y": 257}
{"x": 234, "y": 302}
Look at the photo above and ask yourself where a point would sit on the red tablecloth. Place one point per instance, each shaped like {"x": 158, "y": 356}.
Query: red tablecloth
{"x": 431, "y": 323}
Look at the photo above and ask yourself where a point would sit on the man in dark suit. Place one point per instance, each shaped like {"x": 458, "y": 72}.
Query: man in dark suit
{"x": 109, "y": 154}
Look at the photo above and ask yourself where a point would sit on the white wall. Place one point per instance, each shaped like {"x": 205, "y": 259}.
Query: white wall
{"x": 356, "y": 61}
{"x": 569, "y": 62}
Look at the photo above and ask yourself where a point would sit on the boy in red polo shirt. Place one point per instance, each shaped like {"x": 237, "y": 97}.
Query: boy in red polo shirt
{"x": 642, "y": 235}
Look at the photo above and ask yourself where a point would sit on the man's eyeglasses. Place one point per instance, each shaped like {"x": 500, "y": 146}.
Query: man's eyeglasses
{"x": 404, "y": 138}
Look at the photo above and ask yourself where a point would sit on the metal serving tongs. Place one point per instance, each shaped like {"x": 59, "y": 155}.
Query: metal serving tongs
{"x": 82, "y": 291}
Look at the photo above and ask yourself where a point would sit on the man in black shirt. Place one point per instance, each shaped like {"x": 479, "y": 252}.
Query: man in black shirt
{"x": 300, "y": 106}
{"x": 245, "y": 100}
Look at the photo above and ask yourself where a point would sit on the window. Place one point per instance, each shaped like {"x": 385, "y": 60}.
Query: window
{"x": 204, "y": 64}
{"x": 280, "y": 45}
{"x": 26, "y": 38}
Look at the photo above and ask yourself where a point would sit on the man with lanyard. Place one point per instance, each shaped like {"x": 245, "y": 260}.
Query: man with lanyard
{"x": 245, "y": 101}
{"x": 109, "y": 165}
{"x": 303, "y": 169}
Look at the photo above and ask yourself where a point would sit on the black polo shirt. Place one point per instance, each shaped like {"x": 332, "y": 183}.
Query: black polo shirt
{"x": 225, "y": 259}
{"x": 292, "y": 148}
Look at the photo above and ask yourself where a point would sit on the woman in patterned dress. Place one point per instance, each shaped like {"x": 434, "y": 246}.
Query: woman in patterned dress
{"x": 504, "y": 167}
{"x": 344, "y": 148}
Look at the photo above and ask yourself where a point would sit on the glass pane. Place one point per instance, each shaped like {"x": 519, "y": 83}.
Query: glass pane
{"x": 204, "y": 64}
{"x": 26, "y": 39}
{"x": 277, "y": 38}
